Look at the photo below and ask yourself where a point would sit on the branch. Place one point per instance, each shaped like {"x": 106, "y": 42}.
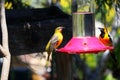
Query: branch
{"x": 4, "y": 26}
{"x": 4, "y": 47}
{"x": 2, "y": 50}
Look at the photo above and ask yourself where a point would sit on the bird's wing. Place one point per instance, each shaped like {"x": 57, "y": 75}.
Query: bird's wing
{"x": 110, "y": 38}
{"x": 53, "y": 41}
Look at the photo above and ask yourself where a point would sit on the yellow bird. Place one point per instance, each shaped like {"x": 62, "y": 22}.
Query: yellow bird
{"x": 106, "y": 40}
{"x": 55, "y": 41}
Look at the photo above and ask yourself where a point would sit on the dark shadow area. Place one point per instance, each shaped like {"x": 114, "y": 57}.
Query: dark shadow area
{"x": 30, "y": 29}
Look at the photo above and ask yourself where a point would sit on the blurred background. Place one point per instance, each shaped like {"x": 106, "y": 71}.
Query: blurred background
{"x": 84, "y": 67}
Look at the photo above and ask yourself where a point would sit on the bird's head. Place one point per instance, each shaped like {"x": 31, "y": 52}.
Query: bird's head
{"x": 60, "y": 28}
{"x": 101, "y": 30}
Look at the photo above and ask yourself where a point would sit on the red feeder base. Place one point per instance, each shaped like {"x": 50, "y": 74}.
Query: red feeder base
{"x": 82, "y": 45}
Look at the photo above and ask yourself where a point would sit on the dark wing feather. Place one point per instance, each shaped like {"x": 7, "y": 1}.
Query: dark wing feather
{"x": 53, "y": 42}
{"x": 110, "y": 37}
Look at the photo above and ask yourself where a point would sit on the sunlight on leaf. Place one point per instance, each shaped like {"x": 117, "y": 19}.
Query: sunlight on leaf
{"x": 110, "y": 77}
{"x": 90, "y": 59}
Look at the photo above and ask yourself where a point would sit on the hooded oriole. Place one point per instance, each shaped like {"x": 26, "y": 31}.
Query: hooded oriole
{"x": 55, "y": 41}
{"x": 106, "y": 40}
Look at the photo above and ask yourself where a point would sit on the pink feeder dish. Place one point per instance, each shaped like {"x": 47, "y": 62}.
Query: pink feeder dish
{"x": 82, "y": 45}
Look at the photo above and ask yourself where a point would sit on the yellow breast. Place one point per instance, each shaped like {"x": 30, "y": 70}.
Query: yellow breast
{"x": 60, "y": 39}
{"x": 106, "y": 40}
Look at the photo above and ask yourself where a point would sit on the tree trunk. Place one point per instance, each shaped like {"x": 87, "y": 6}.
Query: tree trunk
{"x": 4, "y": 48}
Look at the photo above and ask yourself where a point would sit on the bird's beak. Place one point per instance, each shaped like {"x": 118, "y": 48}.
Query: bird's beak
{"x": 62, "y": 27}
{"x": 100, "y": 28}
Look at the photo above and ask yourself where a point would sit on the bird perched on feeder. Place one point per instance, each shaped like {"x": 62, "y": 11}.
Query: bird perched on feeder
{"x": 55, "y": 41}
{"x": 105, "y": 38}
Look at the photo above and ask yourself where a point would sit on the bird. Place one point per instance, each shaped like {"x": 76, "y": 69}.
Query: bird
{"x": 106, "y": 39}
{"x": 54, "y": 41}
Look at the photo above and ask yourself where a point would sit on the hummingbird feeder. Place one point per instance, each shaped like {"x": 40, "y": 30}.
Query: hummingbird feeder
{"x": 83, "y": 40}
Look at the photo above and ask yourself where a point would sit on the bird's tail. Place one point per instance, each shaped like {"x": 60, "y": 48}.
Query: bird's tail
{"x": 48, "y": 59}
{"x": 113, "y": 56}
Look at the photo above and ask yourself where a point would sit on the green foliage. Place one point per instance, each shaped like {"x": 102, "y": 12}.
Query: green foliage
{"x": 15, "y": 4}
{"x": 23, "y": 4}
{"x": 109, "y": 77}
{"x": 117, "y": 53}
{"x": 65, "y": 6}
{"x": 103, "y": 9}
{"x": 36, "y": 3}
{"x": 90, "y": 60}
{"x": 117, "y": 3}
